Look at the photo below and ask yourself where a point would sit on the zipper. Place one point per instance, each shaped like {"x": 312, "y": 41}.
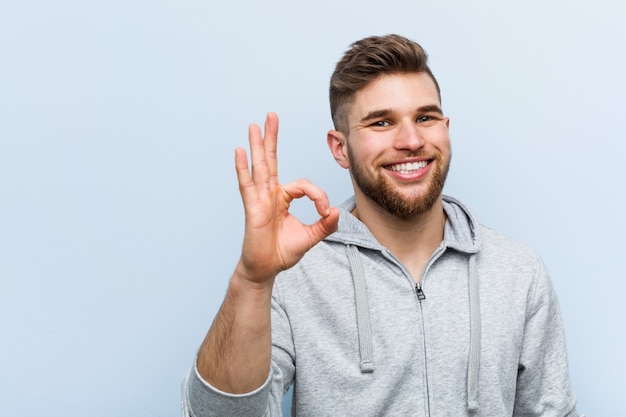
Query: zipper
{"x": 420, "y": 294}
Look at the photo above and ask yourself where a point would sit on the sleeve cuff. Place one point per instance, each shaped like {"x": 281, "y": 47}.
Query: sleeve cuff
{"x": 202, "y": 399}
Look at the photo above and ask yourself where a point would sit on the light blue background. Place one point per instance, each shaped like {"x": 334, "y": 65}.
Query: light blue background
{"x": 120, "y": 219}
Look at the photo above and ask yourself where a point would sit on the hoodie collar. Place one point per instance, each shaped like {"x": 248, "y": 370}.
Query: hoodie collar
{"x": 461, "y": 231}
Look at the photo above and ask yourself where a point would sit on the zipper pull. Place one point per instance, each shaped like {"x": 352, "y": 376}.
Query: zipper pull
{"x": 420, "y": 293}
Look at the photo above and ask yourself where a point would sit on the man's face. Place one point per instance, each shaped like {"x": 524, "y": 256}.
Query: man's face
{"x": 398, "y": 148}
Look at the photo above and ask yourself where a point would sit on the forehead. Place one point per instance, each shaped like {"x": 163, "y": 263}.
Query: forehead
{"x": 396, "y": 92}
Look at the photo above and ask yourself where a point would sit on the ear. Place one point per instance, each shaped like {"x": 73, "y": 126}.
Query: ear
{"x": 447, "y": 120}
{"x": 337, "y": 144}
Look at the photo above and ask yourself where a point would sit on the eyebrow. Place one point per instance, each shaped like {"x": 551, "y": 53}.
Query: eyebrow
{"x": 375, "y": 115}
{"x": 430, "y": 108}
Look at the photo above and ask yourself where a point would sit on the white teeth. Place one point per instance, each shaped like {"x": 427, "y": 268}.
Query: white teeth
{"x": 408, "y": 167}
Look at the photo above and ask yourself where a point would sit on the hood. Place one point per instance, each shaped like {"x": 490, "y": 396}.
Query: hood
{"x": 460, "y": 233}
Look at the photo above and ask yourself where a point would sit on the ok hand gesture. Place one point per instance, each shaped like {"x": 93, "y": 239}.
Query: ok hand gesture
{"x": 274, "y": 239}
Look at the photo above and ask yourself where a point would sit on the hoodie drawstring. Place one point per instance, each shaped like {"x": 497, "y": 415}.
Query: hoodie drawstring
{"x": 474, "y": 349}
{"x": 362, "y": 310}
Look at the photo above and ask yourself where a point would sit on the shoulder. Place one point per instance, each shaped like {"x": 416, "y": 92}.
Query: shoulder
{"x": 500, "y": 249}
{"x": 493, "y": 241}
{"x": 508, "y": 260}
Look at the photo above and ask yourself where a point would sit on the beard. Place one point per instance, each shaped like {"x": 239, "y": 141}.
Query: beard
{"x": 388, "y": 196}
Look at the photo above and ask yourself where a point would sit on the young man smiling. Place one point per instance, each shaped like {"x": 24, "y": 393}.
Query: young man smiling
{"x": 396, "y": 303}
{"x": 397, "y": 149}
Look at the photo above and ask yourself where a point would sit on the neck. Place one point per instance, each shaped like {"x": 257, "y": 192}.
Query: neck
{"x": 413, "y": 240}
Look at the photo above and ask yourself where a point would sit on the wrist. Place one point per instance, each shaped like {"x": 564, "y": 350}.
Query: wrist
{"x": 243, "y": 280}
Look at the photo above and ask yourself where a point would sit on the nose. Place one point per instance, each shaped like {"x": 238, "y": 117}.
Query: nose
{"x": 409, "y": 137}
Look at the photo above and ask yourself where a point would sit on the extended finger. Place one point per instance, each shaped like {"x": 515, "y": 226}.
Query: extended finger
{"x": 270, "y": 140}
{"x": 260, "y": 172}
{"x": 246, "y": 185}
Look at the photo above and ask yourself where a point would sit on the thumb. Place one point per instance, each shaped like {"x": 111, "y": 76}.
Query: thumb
{"x": 326, "y": 225}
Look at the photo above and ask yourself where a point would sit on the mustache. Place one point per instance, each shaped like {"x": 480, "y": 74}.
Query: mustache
{"x": 393, "y": 159}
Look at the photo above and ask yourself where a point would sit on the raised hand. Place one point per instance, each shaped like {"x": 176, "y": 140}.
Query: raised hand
{"x": 235, "y": 356}
{"x": 274, "y": 239}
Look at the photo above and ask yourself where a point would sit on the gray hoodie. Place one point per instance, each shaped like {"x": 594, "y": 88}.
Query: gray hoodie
{"x": 482, "y": 336}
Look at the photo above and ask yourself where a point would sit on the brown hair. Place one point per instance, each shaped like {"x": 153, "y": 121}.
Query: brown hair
{"x": 365, "y": 61}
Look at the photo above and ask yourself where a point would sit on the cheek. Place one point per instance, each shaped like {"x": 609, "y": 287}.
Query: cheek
{"x": 361, "y": 157}
{"x": 446, "y": 144}
{"x": 442, "y": 139}
{"x": 370, "y": 147}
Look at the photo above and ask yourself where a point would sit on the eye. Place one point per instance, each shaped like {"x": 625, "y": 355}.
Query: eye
{"x": 423, "y": 119}
{"x": 381, "y": 123}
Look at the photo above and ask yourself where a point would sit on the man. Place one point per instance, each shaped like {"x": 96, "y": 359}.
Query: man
{"x": 396, "y": 303}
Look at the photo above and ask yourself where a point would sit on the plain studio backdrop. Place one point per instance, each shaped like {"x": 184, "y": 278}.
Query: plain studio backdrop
{"x": 120, "y": 218}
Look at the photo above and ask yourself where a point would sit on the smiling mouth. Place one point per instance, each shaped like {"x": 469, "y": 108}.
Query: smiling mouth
{"x": 408, "y": 167}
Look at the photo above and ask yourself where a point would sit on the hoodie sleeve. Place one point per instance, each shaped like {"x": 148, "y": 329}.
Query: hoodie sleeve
{"x": 200, "y": 399}
{"x": 543, "y": 384}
